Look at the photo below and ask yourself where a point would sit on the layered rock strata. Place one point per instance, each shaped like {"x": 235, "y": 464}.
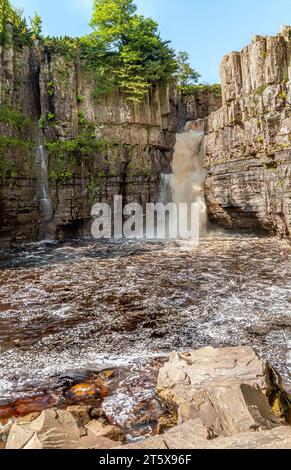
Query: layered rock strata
{"x": 248, "y": 146}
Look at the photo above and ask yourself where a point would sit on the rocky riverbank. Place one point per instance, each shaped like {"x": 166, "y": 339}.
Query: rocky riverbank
{"x": 215, "y": 398}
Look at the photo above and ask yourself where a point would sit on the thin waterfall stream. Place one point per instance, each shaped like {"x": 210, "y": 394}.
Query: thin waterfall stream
{"x": 43, "y": 196}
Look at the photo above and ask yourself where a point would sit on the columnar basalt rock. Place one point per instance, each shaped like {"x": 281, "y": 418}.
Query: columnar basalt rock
{"x": 248, "y": 146}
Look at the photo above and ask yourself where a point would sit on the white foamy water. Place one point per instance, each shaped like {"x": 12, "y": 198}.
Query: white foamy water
{"x": 188, "y": 171}
{"x": 43, "y": 196}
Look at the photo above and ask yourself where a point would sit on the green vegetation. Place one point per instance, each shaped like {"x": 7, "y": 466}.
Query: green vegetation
{"x": 36, "y": 26}
{"x": 283, "y": 95}
{"x": 7, "y": 165}
{"x": 215, "y": 89}
{"x": 132, "y": 56}
{"x": 186, "y": 75}
{"x": 10, "y": 116}
{"x": 11, "y": 142}
{"x": 14, "y": 26}
{"x": 260, "y": 90}
{"x": 261, "y": 139}
{"x": 125, "y": 51}
{"x": 50, "y": 88}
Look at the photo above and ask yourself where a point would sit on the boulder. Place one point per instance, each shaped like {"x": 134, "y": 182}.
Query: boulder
{"x": 58, "y": 429}
{"x": 226, "y": 388}
{"x": 51, "y": 430}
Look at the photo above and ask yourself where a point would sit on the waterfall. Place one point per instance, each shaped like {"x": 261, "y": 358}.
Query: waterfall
{"x": 43, "y": 197}
{"x": 188, "y": 171}
{"x": 166, "y": 187}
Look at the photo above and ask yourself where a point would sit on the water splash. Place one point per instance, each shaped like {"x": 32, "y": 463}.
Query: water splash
{"x": 43, "y": 197}
{"x": 188, "y": 171}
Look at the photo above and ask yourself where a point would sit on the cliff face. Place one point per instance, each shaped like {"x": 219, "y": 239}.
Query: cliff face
{"x": 248, "y": 146}
{"x": 100, "y": 148}
{"x": 95, "y": 148}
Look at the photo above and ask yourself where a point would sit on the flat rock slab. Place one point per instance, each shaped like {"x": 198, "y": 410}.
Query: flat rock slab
{"x": 224, "y": 387}
{"x": 279, "y": 438}
{"x": 185, "y": 437}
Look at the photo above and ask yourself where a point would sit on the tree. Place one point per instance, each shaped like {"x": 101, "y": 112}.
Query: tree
{"x": 36, "y": 26}
{"x": 6, "y": 17}
{"x": 137, "y": 56}
{"x": 111, "y": 18}
{"x": 186, "y": 75}
{"x": 13, "y": 23}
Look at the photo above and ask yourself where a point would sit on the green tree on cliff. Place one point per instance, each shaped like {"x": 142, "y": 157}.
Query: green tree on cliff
{"x": 12, "y": 22}
{"x": 7, "y": 16}
{"x": 187, "y": 76}
{"x": 36, "y": 26}
{"x": 136, "y": 54}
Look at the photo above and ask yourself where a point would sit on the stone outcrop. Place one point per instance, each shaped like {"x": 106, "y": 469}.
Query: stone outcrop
{"x": 223, "y": 398}
{"x": 226, "y": 388}
{"x": 248, "y": 146}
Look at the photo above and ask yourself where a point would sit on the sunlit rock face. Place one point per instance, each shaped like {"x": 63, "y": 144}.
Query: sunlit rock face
{"x": 248, "y": 147}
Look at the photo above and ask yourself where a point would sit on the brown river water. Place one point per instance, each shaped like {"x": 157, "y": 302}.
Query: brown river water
{"x": 71, "y": 309}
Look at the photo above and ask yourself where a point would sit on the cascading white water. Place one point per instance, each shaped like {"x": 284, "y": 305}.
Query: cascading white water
{"x": 188, "y": 171}
{"x": 43, "y": 197}
{"x": 166, "y": 188}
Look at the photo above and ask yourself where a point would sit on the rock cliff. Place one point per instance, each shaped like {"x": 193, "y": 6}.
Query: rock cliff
{"x": 248, "y": 146}
{"x": 95, "y": 148}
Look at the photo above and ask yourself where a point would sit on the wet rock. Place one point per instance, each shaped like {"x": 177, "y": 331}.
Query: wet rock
{"x": 83, "y": 391}
{"x": 259, "y": 330}
{"x": 156, "y": 442}
{"x": 190, "y": 435}
{"x": 29, "y": 405}
{"x": 97, "y": 388}
{"x": 165, "y": 423}
{"x": 113, "y": 433}
{"x": 147, "y": 412}
{"x": 226, "y": 388}
{"x": 81, "y": 414}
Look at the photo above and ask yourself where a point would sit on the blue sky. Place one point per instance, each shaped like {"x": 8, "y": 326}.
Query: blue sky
{"x": 207, "y": 29}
